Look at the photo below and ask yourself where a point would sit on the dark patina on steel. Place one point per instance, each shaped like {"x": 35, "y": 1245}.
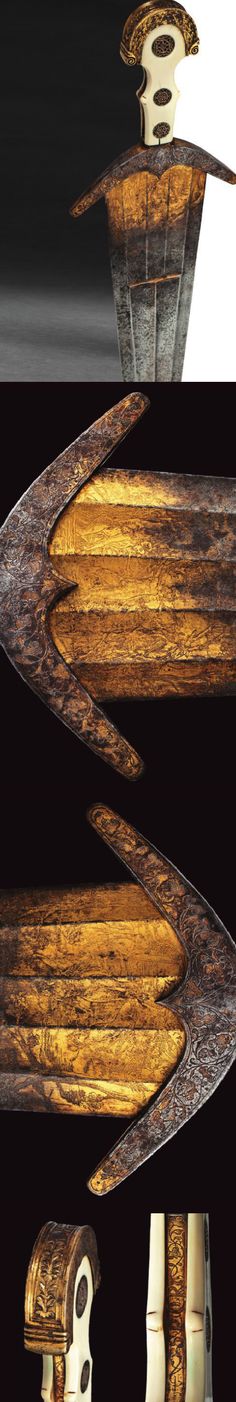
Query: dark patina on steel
{"x": 30, "y": 585}
{"x": 171, "y": 543}
{"x": 154, "y": 197}
{"x": 205, "y": 1003}
{"x": 156, "y": 161}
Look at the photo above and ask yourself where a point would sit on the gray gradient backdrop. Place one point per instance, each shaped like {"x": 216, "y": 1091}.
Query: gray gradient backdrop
{"x": 68, "y": 108}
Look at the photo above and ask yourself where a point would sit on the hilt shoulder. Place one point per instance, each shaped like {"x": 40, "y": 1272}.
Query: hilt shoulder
{"x": 155, "y": 160}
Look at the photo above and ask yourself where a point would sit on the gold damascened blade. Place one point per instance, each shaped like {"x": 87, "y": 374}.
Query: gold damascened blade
{"x": 152, "y": 557}
{"x": 83, "y": 1029}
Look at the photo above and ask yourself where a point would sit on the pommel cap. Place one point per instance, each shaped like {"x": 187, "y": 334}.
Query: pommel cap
{"x": 150, "y": 16}
{"x": 50, "y": 1286}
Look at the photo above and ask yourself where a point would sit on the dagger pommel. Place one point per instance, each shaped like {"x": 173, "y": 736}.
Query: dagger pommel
{"x": 148, "y": 17}
{"x": 62, "y": 1278}
{"x": 158, "y": 36}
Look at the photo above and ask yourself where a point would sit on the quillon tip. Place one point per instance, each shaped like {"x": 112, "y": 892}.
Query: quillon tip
{"x": 98, "y": 1185}
{"x": 139, "y": 403}
{"x": 100, "y": 817}
{"x": 142, "y": 401}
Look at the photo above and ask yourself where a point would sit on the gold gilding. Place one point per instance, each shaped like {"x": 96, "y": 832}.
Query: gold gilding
{"x": 176, "y": 1306}
{"x": 148, "y": 17}
{"x": 162, "y": 197}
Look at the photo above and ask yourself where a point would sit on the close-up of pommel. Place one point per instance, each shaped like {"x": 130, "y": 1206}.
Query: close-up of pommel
{"x": 63, "y": 1276}
{"x": 163, "y": 17}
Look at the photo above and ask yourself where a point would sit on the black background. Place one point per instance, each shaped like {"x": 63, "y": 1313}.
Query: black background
{"x": 185, "y": 805}
{"x": 68, "y": 108}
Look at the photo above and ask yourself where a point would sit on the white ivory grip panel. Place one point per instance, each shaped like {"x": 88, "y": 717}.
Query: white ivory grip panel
{"x": 158, "y": 97}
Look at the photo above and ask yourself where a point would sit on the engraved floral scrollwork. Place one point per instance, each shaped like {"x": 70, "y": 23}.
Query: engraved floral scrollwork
{"x": 58, "y": 1378}
{"x": 49, "y": 1296}
{"x": 205, "y": 1003}
{"x": 29, "y": 585}
{"x": 176, "y": 1254}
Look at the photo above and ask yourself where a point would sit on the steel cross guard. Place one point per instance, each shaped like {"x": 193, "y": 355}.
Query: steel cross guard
{"x": 205, "y": 1003}
{"x": 186, "y": 540}
{"x": 30, "y": 585}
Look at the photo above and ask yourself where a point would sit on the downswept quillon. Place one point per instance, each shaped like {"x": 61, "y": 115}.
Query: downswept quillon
{"x": 119, "y": 586}
{"x": 205, "y": 1005}
{"x": 83, "y": 1029}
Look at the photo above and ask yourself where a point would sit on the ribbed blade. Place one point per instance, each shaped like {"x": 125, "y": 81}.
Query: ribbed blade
{"x": 154, "y": 226}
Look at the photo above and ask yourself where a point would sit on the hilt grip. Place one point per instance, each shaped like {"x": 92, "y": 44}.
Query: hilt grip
{"x": 158, "y": 37}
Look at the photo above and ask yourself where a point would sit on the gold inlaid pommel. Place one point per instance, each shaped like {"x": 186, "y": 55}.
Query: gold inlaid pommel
{"x": 147, "y": 17}
{"x": 51, "y": 1283}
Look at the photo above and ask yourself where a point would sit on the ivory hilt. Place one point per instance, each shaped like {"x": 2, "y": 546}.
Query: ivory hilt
{"x": 158, "y": 36}
{"x": 179, "y": 1327}
{"x": 62, "y": 1278}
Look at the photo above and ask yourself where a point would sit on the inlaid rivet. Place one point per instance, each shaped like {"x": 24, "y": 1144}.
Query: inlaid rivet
{"x": 81, "y": 1296}
{"x": 164, "y": 45}
{"x": 85, "y": 1376}
{"x": 161, "y": 129}
{"x": 162, "y": 96}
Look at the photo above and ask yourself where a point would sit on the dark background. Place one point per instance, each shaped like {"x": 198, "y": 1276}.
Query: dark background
{"x": 69, "y": 108}
{"x": 185, "y": 804}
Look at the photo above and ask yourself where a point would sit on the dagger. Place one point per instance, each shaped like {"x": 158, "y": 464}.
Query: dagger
{"x": 62, "y": 1278}
{"x": 179, "y": 1311}
{"x": 154, "y": 196}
